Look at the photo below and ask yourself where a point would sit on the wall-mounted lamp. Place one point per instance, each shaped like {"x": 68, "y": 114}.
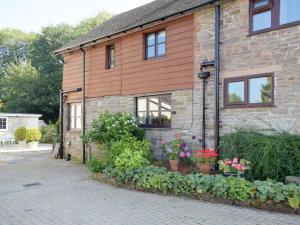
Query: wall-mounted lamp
{"x": 203, "y": 74}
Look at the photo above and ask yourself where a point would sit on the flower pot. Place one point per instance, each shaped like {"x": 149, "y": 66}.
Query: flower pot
{"x": 33, "y": 145}
{"x": 22, "y": 144}
{"x": 205, "y": 168}
{"x": 174, "y": 164}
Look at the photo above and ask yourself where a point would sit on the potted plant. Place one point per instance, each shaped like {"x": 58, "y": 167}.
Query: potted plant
{"x": 19, "y": 136}
{"x": 204, "y": 159}
{"x": 185, "y": 155}
{"x": 33, "y": 135}
{"x": 172, "y": 150}
{"x": 234, "y": 167}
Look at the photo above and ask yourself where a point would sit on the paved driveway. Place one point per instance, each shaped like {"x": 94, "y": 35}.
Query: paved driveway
{"x": 57, "y": 192}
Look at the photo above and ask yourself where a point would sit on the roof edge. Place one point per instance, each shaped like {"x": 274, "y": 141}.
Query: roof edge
{"x": 75, "y": 47}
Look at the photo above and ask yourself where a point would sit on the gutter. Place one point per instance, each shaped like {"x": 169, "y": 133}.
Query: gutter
{"x": 134, "y": 27}
{"x": 83, "y": 101}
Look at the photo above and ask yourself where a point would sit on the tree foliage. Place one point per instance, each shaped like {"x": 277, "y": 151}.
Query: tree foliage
{"x": 30, "y": 75}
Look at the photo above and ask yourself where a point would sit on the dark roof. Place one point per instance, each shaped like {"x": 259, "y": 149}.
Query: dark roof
{"x": 134, "y": 18}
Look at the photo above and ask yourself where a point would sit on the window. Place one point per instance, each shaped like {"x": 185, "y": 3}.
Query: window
{"x": 155, "y": 44}
{"x": 257, "y": 90}
{"x": 267, "y": 15}
{"x": 3, "y": 123}
{"x": 154, "y": 111}
{"x": 110, "y": 57}
{"x": 75, "y": 116}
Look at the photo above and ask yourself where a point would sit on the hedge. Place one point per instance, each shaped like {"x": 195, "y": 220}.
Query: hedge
{"x": 228, "y": 188}
{"x": 273, "y": 154}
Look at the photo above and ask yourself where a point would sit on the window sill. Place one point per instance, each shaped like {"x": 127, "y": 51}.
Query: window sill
{"x": 158, "y": 128}
{"x": 156, "y": 58}
{"x": 74, "y": 131}
{"x": 248, "y": 106}
{"x": 252, "y": 33}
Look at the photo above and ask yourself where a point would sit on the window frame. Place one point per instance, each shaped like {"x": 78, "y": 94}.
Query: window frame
{"x": 110, "y": 62}
{"x": 6, "y": 124}
{"x": 155, "y": 45}
{"x": 246, "y": 80}
{"x": 274, "y": 7}
{"x": 147, "y": 125}
{"x": 75, "y": 117}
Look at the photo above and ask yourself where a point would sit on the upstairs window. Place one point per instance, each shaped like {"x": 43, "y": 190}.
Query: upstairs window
{"x": 3, "y": 123}
{"x": 110, "y": 57}
{"x": 75, "y": 116}
{"x": 267, "y": 15}
{"x": 154, "y": 111}
{"x": 155, "y": 44}
{"x": 257, "y": 90}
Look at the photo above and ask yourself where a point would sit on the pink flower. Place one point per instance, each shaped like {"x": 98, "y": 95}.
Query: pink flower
{"x": 235, "y": 160}
{"x": 185, "y": 148}
{"x": 182, "y": 155}
{"x": 188, "y": 154}
{"x": 238, "y": 166}
{"x": 227, "y": 162}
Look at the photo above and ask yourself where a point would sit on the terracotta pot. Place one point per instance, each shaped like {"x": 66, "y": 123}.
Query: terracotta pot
{"x": 174, "y": 164}
{"x": 205, "y": 168}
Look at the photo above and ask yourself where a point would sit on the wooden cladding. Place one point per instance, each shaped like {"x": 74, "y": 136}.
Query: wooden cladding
{"x": 132, "y": 74}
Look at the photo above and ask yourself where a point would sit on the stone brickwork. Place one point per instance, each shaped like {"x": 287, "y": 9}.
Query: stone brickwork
{"x": 275, "y": 52}
{"x": 185, "y": 121}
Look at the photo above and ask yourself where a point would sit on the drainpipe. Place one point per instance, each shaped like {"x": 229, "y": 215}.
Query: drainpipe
{"x": 217, "y": 74}
{"x": 60, "y": 154}
{"x": 83, "y": 103}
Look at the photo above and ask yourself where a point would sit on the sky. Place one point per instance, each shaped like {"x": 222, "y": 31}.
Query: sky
{"x": 32, "y": 15}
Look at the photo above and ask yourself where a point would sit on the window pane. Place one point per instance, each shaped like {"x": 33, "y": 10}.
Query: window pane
{"x": 153, "y": 103}
{"x": 72, "y": 110}
{"x": 289, "y": 11}
{"x": 161, "y": 37}
{"x": 262, "y": 21}
{"x": 165, "y": 101}
{"x": 2, "y": 123}
{"x": 260, "y": 90}
{"x": 150, "y": 39}
{"x": 78, "y": 122}
{"x": 165, "y": 118}
{"x": 236, "y": 92}
{"x": 259, "y": 3}
{"x": 150, "y": 52}
{"x": 161, "y": 49}
{"x": 72, "y": 122}
{"x": 142, "y": 116}
{"x": 153, "y": 118}
{"x": 78, "y": 110}
{"x": 142, "y": 104}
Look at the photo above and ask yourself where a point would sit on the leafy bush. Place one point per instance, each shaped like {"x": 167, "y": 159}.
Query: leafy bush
{"x": 233, "y": 188}
{"x": 128, "y": 153}
{"x": 33, "y": 134}
{"x": 273, "y": 156}
{"x": 20, "y": 133}
{"x": 112, "y": 127}
{"x": 50, "y": 132}
{"x": 95, "y": 165}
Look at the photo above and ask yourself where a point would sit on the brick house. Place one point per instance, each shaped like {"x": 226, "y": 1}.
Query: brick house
{"x": 167, "y": 59}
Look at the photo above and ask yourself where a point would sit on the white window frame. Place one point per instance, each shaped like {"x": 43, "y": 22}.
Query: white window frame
{"x": 6, "y": 128}
{"x": 75, "y": 118}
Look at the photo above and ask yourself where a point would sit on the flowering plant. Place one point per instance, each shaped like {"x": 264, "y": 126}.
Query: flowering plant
{"x": 235, "y": 165}
{"x": 185, "y": 154}
{"x": 172, "y": 148}
{"x": 205, "y": 156}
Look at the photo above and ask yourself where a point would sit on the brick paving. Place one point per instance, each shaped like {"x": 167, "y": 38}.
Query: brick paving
{"x": 63, "y": 193}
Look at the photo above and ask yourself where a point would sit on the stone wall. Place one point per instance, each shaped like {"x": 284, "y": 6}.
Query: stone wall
{"x": 186, "y": 121}
{"x": 275, "y": 52}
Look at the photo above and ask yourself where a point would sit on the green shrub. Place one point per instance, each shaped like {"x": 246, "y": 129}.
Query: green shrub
{"x": 128, "y": 153}
{"x": 20, "y": 133}
{"x": 50, "y": 133}
{"x": 95, "y": 165}
{"x": 33, "y": 134}
{"x": 233, "y": 188}
{"x": 273, "y": 156}
{"x": 112, "y": 127}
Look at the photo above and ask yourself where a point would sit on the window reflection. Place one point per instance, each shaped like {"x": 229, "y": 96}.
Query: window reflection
{"x": 289, "y": 11}
{"x": 236, "y": 92}
{"x": 262, "y": 21}
{"x": 260, "y": 90}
